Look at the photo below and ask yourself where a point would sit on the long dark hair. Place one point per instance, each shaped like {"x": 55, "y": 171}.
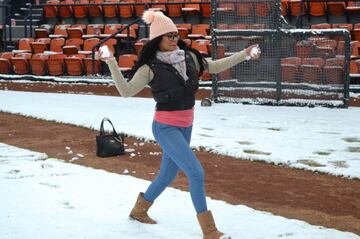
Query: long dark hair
{"x": 149, "y": 52}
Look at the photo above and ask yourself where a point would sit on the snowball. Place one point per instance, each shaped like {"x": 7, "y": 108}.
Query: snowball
{"x": 105, "y": 51}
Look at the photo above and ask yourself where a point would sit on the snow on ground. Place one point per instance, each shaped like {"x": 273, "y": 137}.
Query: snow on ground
{"x": 318, "y": 139}
{"x": 48, "y": 198}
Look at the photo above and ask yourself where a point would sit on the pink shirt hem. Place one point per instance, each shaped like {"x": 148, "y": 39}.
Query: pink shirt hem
{"x": 179, "y": 118}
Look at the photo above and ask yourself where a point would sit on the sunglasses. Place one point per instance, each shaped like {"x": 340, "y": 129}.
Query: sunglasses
{"x": 172, "y": 36}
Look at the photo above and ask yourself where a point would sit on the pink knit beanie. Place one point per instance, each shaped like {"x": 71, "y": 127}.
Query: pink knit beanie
{"x": 159, "y": 23}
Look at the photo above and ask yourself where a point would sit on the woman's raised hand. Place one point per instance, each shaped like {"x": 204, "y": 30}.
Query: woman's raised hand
{"x": 105, "y": 53}
{"x": 253, "y": 52}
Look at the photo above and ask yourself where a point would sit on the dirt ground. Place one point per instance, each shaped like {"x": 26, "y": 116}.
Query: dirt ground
{"x": 316, "y": 198}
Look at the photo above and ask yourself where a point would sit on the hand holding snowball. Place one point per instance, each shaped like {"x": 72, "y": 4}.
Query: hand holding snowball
{"x": 253, "y": 52}
{"x": 105, "y": 53}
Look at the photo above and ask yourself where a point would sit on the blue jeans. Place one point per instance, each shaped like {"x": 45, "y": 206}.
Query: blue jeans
{"x": 177, "y": 154}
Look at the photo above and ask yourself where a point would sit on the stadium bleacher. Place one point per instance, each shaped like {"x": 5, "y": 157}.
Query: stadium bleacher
{"x": 62, "y": 43}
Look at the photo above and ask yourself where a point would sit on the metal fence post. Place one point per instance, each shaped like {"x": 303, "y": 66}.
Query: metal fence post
{"x": 213, "y": 24}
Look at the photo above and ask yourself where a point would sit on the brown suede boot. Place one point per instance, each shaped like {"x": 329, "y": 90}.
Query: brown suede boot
{"x": 139, "y": 212}
{"x": 208, "y": 226}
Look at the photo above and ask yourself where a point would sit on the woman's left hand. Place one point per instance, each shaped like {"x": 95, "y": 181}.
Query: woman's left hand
{"x": 253, "y": 51}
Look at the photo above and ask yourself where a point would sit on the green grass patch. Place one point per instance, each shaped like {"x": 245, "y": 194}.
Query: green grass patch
{"x": 257, "y": 152}
{"x": 322, "y": 153}
{"x": 354, "y": 149}
{"x": 210, "y": 129}
{"x": 339, "y": 164}
{"x": 205, "y": 135}
{"x": 352, "y": 139}
{"x": 274, "y": 129}
{"x": 244, "y": 142}
{"x": 310, "y": 163}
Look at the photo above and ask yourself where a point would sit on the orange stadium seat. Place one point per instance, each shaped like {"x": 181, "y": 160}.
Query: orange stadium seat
{"x": 40, "y": 45}
{"x": 75, "y": 65}
{"x": 312, "y": 69}
{"x": 132, "y": 33}
{"x": 183, "y": 32}
{"x": 292, "y": 60}
{"x": 139, "y": 9}
{"x": 95, "y": 10}
{"x": 88, "y": 66}
{"x": 304, "y": 49}
{"x": 140, "y": 44}
{"x": 317, "y": 8}
{"x": 353, "y": 7}
{"x": 174, "y": 10}
{"x": 262, "y": 9}
{"x": 326, "y": 48}
{"x": 244, "y": 9}
{"x": 333, "y": 74}
{"x": 88, "y": 45}
{"x": 184, "y": 25}
{"x": 289, "y": 73}
{"x": 294, "y": 7}
{"x": 72, "y": 46}
{"x": 226, "y": 7}
{"x": 312, "y": 74}
{"x": 126, "y": 11}
{"x": 56, "y": 44}
{"x": 56, "y": 64}
{"x": 24, "y": 45}
{"x": 60, "y": 31}
{"x": 321, "y": 26}
{"x": 39, "y": 64}
{"x": 206, "y": 8}
{"x": 354, "y": 67}
{"x": 201, "y": 45}
{"x": 160, "y": 7}
{"x": 284, "y": 8}
{"x": 354, "y": 49}
{"x": 346, "y": 26}
{"x": 238, "y": 26}
{"x": 5, "y": 65}
{"x": 334, "y": 71}
{"x": 81, "y": 11}
{"x": 335, "y": 62}
{"x": 20, "y": 63}
{"x": 76, "y": 31}
{"x": 336, "y": 8}
{"x": 51, "y": 11}
{"x": 290, "y": 69}
{"x": 356, "y": 34}
{"x": 93, "y": 30}
{"x": 110, "y": 29}
{"x": 191, "y": 8}
{"x": 110, "y": 11}
{"x": 199, "y": 31}
{"x": 314, "y": 61}
{"x": 127, "y": 61}
{"x": 41, "y": 32}
{"x": 66, "y": 11}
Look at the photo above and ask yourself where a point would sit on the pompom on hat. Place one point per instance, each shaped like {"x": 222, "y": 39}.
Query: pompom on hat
{"x": 159, "y": 23}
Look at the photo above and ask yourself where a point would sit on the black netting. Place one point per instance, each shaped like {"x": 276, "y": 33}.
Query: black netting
{"x": 297, "y": 67}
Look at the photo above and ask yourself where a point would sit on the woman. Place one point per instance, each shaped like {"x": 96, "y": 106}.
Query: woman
{"x": 171, "y": 69}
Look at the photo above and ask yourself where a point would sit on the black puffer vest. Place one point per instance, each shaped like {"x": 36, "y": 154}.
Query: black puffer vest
{"x": 171, "y": 92}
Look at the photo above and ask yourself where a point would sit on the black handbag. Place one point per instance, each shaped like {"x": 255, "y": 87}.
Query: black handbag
{"x": 109, "y": 144}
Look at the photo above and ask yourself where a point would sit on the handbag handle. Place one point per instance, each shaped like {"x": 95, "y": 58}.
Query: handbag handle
{"x": 102, "y": 126}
